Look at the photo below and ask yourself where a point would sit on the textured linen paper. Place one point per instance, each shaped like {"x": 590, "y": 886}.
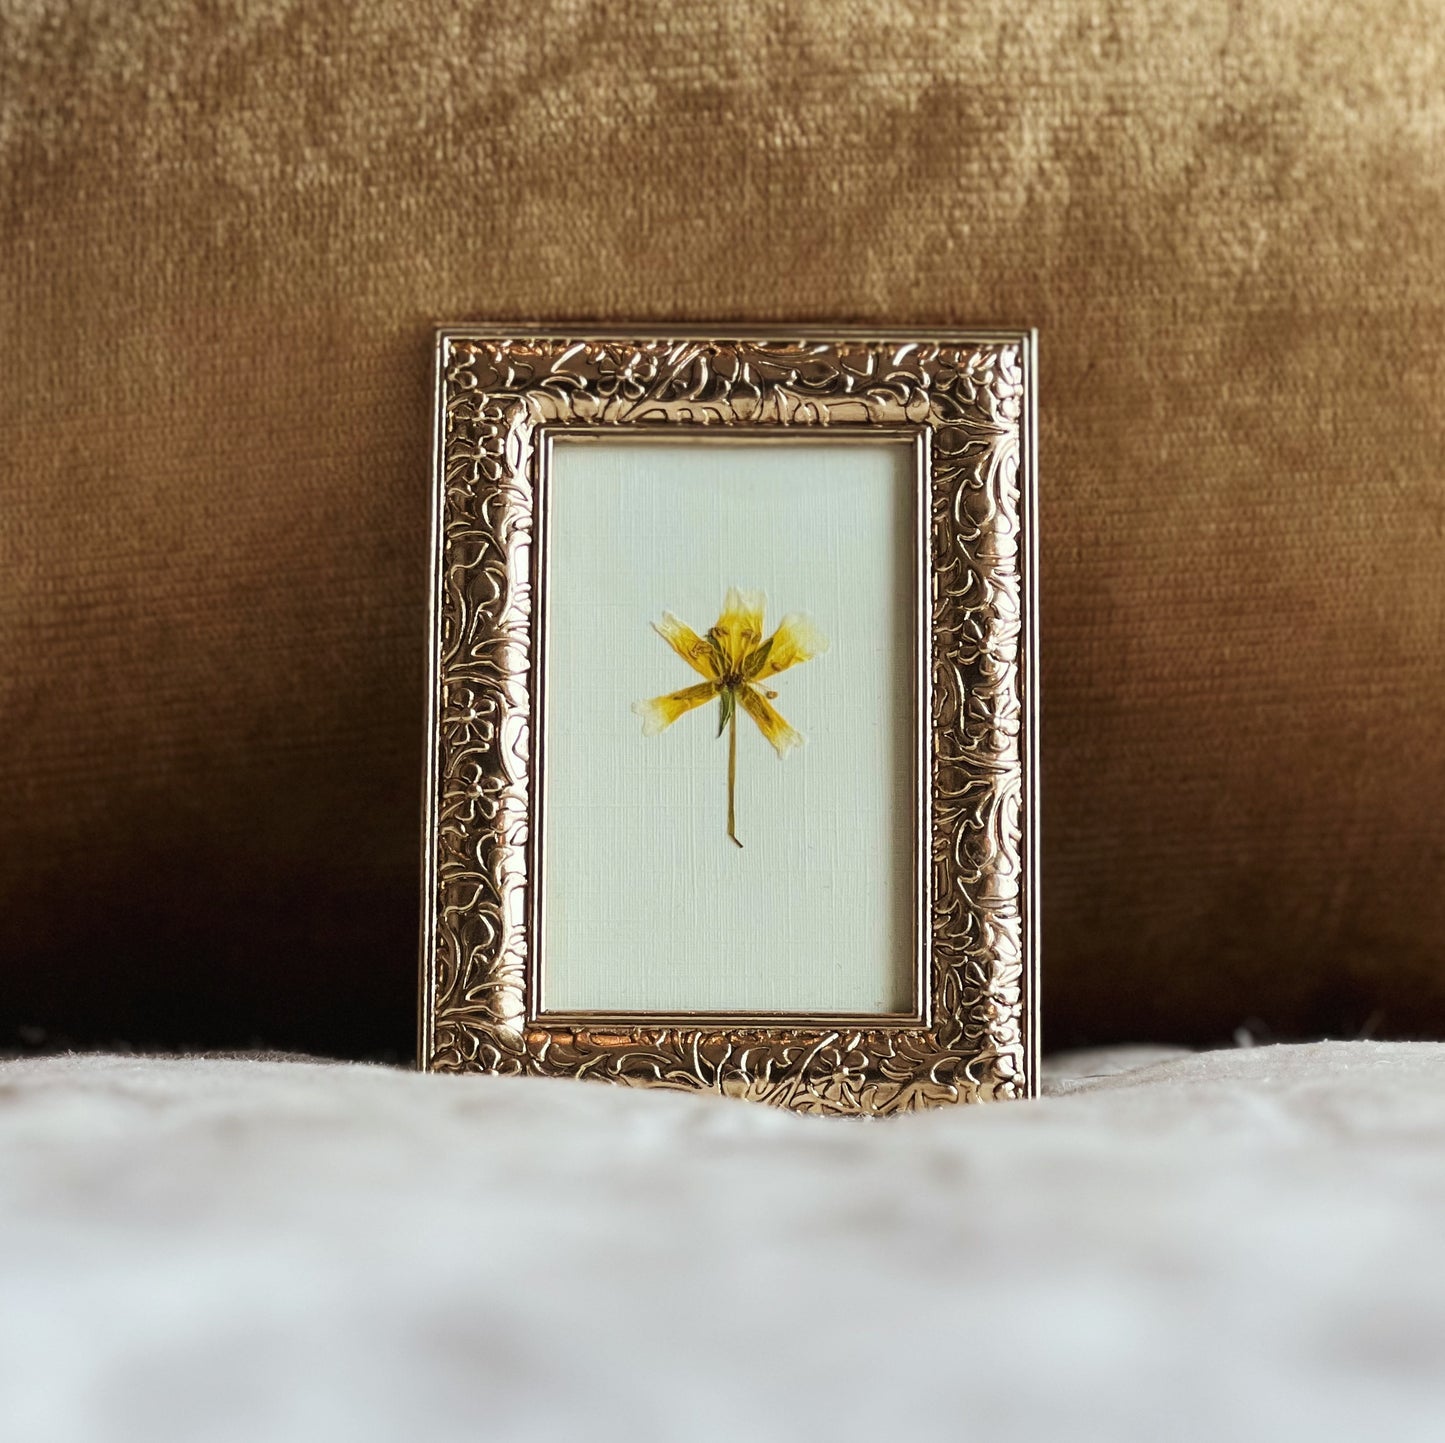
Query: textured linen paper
{"x": 647, "y": 904}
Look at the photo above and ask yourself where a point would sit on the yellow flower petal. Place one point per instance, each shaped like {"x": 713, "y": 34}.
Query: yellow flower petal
{"x": 660, "y": 713}
{"x": 740, "y": 627}
{"x": 772, "y": 726}
{"x": 796, "y": 640}
{"x": 687, "y": 644}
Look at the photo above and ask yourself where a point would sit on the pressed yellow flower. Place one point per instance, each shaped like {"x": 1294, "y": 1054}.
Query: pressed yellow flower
{"x": 733, "y": 658}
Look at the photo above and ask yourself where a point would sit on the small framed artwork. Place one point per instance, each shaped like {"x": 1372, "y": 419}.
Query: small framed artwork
{"x": 731, "y": 778}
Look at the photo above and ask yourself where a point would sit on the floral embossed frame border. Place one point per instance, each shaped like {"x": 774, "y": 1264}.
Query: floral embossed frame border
{"x": 971, "y": 398}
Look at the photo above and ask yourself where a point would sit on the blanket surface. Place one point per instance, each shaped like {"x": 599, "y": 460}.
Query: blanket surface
{"x": 1232, "y": 1245}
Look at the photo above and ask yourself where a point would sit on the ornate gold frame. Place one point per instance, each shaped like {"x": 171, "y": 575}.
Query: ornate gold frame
{"x": 968, "y": 399}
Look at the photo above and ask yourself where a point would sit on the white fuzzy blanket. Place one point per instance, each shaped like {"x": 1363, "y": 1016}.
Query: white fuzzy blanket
{"x": 1226, "y": 1246}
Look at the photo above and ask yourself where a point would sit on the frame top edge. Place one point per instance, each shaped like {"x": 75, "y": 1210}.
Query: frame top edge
{"x": 720, "y": 331}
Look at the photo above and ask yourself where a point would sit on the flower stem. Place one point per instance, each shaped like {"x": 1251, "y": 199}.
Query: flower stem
{"x": 733, "y": 777}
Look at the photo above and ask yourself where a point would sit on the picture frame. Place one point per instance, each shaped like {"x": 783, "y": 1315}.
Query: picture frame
{"x": 865, "y": 940}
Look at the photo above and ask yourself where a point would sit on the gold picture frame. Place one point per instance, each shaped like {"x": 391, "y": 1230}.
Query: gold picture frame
{"x": 962, "y": 406}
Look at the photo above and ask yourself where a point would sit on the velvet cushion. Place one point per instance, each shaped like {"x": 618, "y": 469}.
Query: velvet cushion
{"x": 225, "y": 238}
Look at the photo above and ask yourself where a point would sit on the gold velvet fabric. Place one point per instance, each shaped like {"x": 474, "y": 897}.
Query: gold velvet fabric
{"x": 227, "y": 230}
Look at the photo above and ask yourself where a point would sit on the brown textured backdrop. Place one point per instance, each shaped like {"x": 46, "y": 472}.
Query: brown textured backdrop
{"x": 227, "y": 230}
